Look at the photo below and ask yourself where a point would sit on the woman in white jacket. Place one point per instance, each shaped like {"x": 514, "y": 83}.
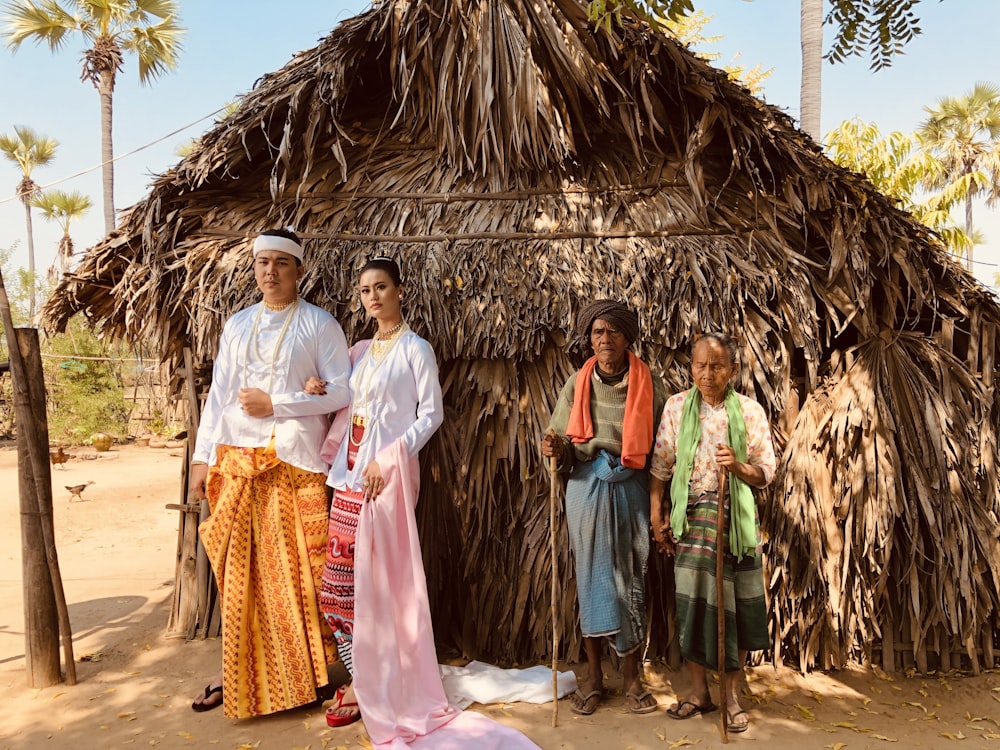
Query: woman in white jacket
{"x": 395, "y": 408}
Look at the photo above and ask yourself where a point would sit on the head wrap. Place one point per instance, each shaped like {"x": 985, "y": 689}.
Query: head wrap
{"x": 277, "y": 242}
{"x": 614, "y": 312}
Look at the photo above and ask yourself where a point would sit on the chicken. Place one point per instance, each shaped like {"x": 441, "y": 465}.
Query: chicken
{"x": 77, "y": 490}
{"x": 59, "y": 456}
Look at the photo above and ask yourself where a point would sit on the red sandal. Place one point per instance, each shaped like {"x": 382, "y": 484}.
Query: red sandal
{"x": 341, "y": 720}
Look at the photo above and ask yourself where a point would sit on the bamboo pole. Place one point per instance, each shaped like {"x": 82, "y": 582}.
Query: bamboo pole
{"x": 553, "y": 479}
{"x": 720, "y": 610}
{"x": 39, "y": 467}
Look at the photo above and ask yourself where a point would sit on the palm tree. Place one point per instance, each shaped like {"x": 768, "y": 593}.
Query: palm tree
{"x": 811, "y": 83}
{"x": 963, "y": 135}
{"x": 111, "y": 28}
{"x": 62, "y": 208}
{"x": 28, "y": 150}
{"x": 894, "y": 165}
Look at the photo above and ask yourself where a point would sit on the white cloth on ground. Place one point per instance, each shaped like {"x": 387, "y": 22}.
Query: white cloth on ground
{"x": 478, "y": 682}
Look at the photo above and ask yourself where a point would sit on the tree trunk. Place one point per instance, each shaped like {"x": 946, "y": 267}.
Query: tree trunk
{"x": 107, "y": 89}
{"x": 31, "y": 259}
{"x": 968, "y": 230}
{"x": 810, "y": 93}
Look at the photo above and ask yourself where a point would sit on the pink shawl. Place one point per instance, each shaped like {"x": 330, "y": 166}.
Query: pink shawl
{"x": 397, "y": 679}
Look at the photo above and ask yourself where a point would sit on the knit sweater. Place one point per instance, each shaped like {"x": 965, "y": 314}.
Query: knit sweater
{"x": 607, "y": 410}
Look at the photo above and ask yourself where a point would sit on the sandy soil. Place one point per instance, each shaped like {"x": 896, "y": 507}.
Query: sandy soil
{"x": 117, "y": 551}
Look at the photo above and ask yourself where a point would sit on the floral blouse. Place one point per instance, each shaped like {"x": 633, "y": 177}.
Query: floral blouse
{"x": 714, "y": 426}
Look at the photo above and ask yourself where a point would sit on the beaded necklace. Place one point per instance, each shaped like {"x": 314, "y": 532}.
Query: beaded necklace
{"x": 381, "y": 345}
{"x": 253, "y": 341}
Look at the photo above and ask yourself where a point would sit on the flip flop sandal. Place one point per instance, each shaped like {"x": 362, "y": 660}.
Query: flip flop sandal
{"x": 635, "y": 702}
{"x": 696, "y": 710}
{"x": 737, "y": 728}
{"x": 583, "y": 704}
{"x": 204, "y": 705}
{"x": 342, "y": 720}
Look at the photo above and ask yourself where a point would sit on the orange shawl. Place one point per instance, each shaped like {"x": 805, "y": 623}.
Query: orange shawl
{"x": 637, "y": 429}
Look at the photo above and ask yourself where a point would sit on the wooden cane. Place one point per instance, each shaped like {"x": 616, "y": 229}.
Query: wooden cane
{"x": 554, "y": 480}
{"x": 720, "y": 605}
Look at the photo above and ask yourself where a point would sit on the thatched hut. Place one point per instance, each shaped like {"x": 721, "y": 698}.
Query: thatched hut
{"x": 520, "y": 164}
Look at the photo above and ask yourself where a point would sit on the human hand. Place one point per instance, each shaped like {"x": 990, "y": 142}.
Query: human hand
{"x": 664, "y": 537}
{"x": 255, "y": 402}
{"x": 315, "y": 387}
{"x": 373, "y": 483}
{"x": 725, "y": 457}
{"x": 552, "y": 446}
{"x": 197, "y": 478}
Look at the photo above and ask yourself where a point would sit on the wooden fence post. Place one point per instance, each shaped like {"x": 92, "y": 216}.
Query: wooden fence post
{"x": 41, "y": 617}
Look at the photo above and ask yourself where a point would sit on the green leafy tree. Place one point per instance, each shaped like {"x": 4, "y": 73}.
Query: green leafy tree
{"x": 28, "y": 150}
{"x": 83, "y": 380}
{"x": 899, "y": 169}
{"x": 689, "y": 30}
{"x": 962, "y": 134}
{"x": 879, "y": 29}
{"x": 148, "y": 29}
{"x": 62, "y": 208}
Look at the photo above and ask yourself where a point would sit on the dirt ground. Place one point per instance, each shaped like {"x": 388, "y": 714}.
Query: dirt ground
{"x": 117, "y": 549}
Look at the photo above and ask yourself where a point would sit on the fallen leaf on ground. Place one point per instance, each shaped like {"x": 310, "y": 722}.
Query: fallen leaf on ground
{"x": 882, "y": 674}
{"x": 806, "y": 712}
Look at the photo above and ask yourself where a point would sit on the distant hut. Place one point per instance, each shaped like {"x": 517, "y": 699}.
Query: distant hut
{"x": 520, "y": 164}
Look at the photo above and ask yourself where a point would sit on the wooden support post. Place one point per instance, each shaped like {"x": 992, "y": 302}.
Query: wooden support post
{"x": 38, "y": 459}
{"x": 972, "y": 652}
{"x": 945, "y": 653}
{"x": 41, "y": 617}
{"x": 888, "y": 642}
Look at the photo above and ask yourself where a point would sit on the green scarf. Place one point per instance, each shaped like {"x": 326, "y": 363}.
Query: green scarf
{"x": 742, "y": 529}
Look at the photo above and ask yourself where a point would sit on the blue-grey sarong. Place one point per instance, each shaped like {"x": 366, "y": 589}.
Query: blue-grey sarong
{"x": 607, "y": 513}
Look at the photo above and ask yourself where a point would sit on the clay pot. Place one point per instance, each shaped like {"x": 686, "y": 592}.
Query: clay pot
{"x": 101, "y": 441}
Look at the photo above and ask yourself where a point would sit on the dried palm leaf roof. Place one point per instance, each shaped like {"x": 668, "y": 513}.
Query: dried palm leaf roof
{"x": 521, "y": 164}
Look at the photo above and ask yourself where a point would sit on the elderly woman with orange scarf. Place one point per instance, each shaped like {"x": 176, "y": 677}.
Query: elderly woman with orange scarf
{"x": 601, "y": 434}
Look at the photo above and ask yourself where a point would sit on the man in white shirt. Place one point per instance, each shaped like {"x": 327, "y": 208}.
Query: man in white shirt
{"x": 257, "y": 461}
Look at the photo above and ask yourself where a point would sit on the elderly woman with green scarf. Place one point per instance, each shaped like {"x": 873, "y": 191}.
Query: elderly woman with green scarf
{"x": 705, "y": 429}
{"x": 601, "y": 434}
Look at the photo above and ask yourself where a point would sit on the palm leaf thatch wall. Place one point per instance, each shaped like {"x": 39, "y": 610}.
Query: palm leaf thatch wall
{"x": 521, "y": 164}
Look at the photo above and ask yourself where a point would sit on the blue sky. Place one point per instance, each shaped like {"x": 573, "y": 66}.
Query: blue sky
{"x": 231, "y": 43}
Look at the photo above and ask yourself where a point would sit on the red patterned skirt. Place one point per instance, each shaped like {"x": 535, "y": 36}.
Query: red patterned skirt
{"x": 337, "y": 592}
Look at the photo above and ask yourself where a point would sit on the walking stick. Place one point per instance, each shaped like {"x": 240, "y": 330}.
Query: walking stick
{"x": 720, "y": 608}
{"x": 553, "y": 480}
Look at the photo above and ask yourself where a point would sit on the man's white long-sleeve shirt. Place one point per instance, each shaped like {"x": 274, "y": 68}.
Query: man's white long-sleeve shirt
{"x": 258, "y": 350}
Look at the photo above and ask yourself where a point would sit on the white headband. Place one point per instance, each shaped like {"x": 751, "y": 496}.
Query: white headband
{"x": 276, "y": 242}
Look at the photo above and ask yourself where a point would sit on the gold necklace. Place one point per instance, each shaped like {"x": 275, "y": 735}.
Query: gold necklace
{"x": 279, "y": 306}
{"x": 374, "y": 357}
{"x": 383, "y": 340}
{"x": 277, "y": 345}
